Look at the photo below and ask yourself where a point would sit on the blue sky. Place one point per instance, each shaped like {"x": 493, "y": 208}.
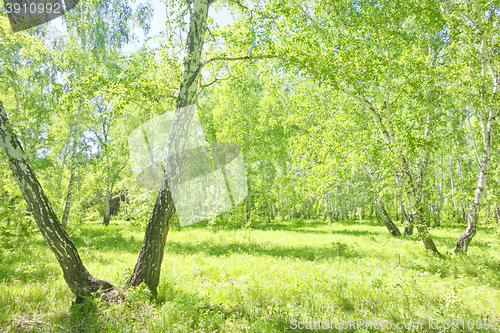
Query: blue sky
{"x": 222, "y": 17}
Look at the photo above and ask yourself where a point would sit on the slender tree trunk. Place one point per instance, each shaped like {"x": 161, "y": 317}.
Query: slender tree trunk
{"x": 109, "y": 194}
{"x": 75, "y": 274}
{"x": 396, "y": 207}
{"x": 272, "y": 211}
{"x": 282, "y": 204}
{"x": 498, "y": 213}
{"x": 349, "y": 207}
{"x": 69, "y": 194}
{"x": 489, "y": 208}
{"x": 363, "y": 208}
{"x": 439, "y": 205}
{"x": 248, "y": 206}
{"x": 60, "y": 174}
{"x": 452, "y": 183}
{"x": 74, "y": 150}
{"x": 110, "y": 183}
{"x": 401, "y": 205}
{"x": 269, "y": 210}
{"x": 148, "y": 266}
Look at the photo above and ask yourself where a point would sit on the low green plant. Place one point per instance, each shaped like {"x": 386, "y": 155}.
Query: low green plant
{"x": 256, "y": 279}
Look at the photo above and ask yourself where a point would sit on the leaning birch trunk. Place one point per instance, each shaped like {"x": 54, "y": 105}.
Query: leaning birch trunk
{"x": 393, "y": 229}
{"x": 75, "y": 274}
{"x": 488, "y": 121}
{"x": 473, "y": 213}
{"x": 69, "y": 195}
{"x": 148, "y": 266}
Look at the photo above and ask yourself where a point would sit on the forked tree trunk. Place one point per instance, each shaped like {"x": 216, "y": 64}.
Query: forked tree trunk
{"x": 75, "y": 274}
{"x": 418, "y": 216}
{"x": 148, "y": 266}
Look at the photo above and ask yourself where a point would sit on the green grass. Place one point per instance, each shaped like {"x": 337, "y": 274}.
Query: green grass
{"x": 219, "y": 279}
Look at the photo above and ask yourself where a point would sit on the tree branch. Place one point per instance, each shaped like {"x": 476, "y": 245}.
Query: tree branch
{"x": 240, "y": 58}
{"x": 204, "y": 86}
{"x": 237, "y": 2}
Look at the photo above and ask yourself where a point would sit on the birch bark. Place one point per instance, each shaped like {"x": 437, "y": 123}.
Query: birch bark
{"x": 487, "y": 116}
{"x": 148, "y": 265}
{"x": 75, "y": 274}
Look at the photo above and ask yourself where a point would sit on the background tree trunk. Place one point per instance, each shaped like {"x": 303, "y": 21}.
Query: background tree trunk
{"x": 109, "y": 192}
{"x": 393, "y": 229}
{"x": 409, "y": 228}
{"x": 74, "y": 150}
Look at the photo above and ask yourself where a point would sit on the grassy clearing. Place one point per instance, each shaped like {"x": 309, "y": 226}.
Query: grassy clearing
{"x": 217, "y": 279}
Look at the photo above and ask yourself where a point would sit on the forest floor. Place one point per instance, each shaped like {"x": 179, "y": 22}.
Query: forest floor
{"x": 276, "y": 277}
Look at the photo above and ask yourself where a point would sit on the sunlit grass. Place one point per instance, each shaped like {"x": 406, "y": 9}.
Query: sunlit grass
{"x": 221, "y": 279}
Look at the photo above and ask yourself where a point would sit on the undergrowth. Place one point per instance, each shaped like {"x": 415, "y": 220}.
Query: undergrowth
{"x": 264, "y": 277}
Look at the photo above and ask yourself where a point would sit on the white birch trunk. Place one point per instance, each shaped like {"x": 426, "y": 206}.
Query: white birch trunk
{"x": 487, "y": 115}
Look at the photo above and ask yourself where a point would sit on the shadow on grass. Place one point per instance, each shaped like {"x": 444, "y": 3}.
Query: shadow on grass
{"x": 296, "y": 225}
{"x": 22, "y": 266}
{"x": 309, "y": 253}
{"x": 84, "y": 317}
{"x": 106, "y": 239}
{"x": 22, "y": 263}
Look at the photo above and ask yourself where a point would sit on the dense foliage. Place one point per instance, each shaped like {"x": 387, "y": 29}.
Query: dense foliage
{"x": 377, "y": 112}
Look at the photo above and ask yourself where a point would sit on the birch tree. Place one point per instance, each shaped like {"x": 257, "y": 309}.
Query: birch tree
{"x": 148, "y": 266}
{"x": 474, "y": 27}
{"x": 79, "y": 280}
